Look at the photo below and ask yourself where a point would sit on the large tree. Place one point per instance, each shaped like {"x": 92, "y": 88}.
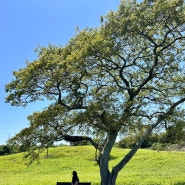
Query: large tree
{"x": 107, "y": 80}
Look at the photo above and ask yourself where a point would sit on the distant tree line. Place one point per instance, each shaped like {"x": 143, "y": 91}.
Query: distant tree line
{"x": 173, "y": 138}
{"x": 5, "y": 150}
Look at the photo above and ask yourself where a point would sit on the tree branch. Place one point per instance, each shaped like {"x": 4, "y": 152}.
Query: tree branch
{"x": 79, "y": 138}
{"x": 132, "y": 152}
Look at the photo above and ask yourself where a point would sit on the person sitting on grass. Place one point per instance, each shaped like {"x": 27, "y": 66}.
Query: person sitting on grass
{"x": 75, "y": 179}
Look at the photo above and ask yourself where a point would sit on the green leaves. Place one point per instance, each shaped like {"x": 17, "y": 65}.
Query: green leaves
{"x": 127, "y": 57}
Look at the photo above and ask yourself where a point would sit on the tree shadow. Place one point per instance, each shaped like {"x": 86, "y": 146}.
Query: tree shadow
{"x": 180, "y": 183}
{"x": 112, "y": 157}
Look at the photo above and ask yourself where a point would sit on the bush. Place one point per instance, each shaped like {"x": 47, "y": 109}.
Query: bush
{"x": 4, "y": 150}
{"x": 176, "y": 147}
{"x": 129, "y": 142}
{"x": 158, "y": 146}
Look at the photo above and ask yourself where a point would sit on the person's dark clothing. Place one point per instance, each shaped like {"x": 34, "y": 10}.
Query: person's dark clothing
{"x": 75, "y": 178}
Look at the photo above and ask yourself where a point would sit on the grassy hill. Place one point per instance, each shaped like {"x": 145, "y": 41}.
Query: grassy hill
{"x": 146, "y": 168}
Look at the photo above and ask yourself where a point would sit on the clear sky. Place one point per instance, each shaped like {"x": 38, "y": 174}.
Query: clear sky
{"x": 24, "y": 25}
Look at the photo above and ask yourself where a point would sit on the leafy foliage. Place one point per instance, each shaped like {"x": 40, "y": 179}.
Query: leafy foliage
{"x": 4, "y": 150}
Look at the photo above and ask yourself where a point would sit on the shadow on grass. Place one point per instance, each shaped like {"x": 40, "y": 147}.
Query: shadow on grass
{"x": 112, "y": 157}
{"x": 180, "y": 183}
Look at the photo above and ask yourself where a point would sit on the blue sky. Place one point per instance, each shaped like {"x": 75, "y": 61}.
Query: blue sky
{"x": 24, "y": 25}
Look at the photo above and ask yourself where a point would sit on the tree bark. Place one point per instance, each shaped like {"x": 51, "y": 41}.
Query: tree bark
{"x": 132, "y": 152}
{"x": 104, "y": 159}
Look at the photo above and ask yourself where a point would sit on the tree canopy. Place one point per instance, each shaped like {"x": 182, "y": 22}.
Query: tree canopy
{"x": 127, "y": 72}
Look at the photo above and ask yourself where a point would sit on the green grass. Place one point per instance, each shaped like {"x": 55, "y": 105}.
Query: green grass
{"x": 146, "y": 168}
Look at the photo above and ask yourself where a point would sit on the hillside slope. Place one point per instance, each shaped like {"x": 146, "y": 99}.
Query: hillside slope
{"x": 146, "y": 168}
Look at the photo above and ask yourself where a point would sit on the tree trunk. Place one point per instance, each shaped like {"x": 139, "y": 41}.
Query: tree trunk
{"x": 113, "y": 175}
{"x": 107, "y": 177}
{"x": 104, "y": 159}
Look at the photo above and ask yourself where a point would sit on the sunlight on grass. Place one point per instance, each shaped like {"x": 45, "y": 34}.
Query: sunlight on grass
{"x": 146, "y": 168}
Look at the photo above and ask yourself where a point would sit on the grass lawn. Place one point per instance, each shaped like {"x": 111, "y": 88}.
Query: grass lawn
{"x": 146, "y": 168}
